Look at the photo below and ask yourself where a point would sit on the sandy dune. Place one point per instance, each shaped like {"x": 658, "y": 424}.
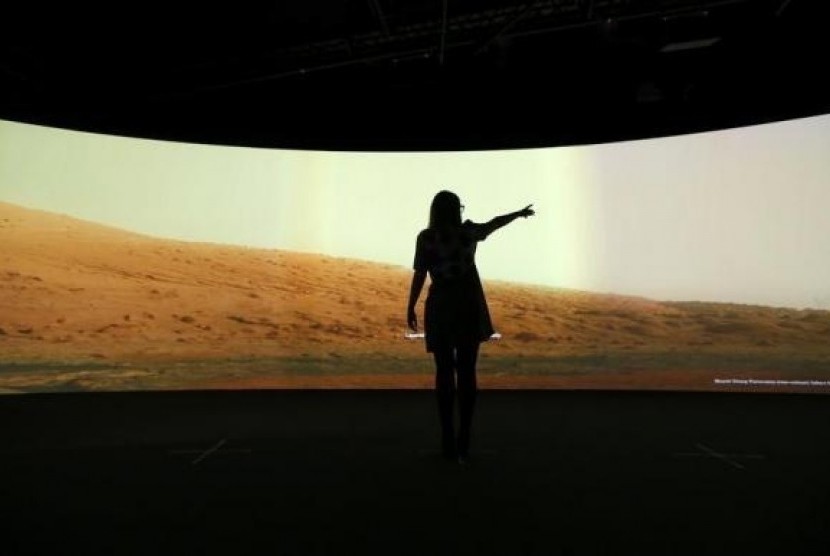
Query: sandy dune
{"x": 75, "y": 291}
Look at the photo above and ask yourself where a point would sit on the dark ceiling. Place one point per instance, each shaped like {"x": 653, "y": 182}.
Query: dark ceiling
{"x": 414, "y": 74}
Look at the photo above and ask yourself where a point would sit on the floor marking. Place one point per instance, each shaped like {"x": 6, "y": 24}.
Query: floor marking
{"x": 729, "y": 459}
{"x": 209, "y": 451}
{"x": 204, "y": 454}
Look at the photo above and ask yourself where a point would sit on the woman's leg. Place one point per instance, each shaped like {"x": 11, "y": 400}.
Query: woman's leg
{"x": 467, "y": 392}
{"x": 445, "y": 392}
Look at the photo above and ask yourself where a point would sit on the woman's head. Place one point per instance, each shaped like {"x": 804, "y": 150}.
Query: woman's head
{"x": 445, "y": 211}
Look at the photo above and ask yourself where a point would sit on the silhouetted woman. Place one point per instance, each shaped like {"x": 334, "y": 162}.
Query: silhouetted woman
{"x": 456, "y": 318}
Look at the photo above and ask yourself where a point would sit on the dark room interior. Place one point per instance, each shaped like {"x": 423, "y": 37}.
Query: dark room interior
{"x": 568, "y": 470}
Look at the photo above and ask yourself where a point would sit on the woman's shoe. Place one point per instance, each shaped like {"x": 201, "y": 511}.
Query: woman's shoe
{"x": 462, "y": 446}
{"x": 448, "y": 449}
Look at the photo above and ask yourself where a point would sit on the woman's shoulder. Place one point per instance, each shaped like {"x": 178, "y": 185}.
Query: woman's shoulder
{"x": 475, "y": 230}
{"x": 468, "y": 228}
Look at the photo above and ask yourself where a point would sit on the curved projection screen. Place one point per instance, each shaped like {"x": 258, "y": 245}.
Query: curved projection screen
{"x": 697, "y": 262}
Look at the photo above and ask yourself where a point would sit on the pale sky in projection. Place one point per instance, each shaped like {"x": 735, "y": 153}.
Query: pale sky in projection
{"x": 735, "y": 216}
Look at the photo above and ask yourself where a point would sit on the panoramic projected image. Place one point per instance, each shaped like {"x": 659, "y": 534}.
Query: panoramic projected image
{"x": 694, "y": 262}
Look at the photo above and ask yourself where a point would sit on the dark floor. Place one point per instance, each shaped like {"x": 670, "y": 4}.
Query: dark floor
{"x": 356, "y": 472}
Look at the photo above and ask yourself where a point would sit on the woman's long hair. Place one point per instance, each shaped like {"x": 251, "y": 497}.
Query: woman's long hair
{"x": 445, "y": 211}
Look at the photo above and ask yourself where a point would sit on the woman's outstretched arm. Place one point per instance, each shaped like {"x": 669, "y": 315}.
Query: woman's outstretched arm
{"x": 418, "y": 280}
{"x": 505, "y": 219}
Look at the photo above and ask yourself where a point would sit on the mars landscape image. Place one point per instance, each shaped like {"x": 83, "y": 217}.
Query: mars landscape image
{"x": 87, "y": 307}
{"x": 694, "y": 262}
